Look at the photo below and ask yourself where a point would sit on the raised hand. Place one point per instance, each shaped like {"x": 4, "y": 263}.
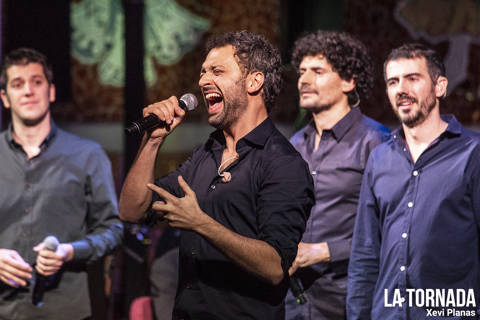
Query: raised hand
{"x": 167, "y": 111}
{"x": 184, "y": 213}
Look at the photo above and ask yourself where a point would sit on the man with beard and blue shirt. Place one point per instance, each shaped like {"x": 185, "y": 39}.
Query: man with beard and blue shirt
{"x": 418, "y": 218}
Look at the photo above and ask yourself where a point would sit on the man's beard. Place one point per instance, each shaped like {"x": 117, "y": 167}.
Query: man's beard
{"x": 234, "y": 104}
{"x": 417, "y": 117}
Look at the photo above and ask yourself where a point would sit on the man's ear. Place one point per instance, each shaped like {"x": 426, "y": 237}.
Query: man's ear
{"x": 348, "y": 85}
{"x": 441, "y": 87}
{"x": 254, "y": 82}
{"x": 6, "y": 102}
{"x": 52, "y": 93}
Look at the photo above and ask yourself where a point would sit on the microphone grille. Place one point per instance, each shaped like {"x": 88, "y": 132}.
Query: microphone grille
{"x": 51, "y": 243}
{"x": 190, "y": 100}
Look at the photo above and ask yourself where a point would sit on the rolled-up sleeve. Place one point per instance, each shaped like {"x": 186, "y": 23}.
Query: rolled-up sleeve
{"x": 284, "y": 204}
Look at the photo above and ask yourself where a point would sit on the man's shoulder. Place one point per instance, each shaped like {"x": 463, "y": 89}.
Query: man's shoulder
{"x": 77, "y": 143}
{"x": 278, "y": 145}
{"x": 298, "y": 137}
{"x": 374, "y": 127}
{"x": 470, "y": 134}
{"x": 77, "y": 148}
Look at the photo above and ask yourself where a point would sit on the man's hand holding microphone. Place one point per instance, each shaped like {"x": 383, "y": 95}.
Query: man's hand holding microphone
{"x": 16, "y": 272}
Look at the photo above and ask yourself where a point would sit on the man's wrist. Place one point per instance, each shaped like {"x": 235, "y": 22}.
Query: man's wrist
{"x": 68, "y": 251}
{"x": 324, "y": 252}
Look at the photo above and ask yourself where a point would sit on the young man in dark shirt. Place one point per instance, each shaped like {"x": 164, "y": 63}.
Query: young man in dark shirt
{"x": 242, "y": 198}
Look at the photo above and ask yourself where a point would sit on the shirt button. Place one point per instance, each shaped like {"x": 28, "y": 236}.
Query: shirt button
{"x": 404, "y": 235}
{"x": 212, "y": 187}
{"x": 314, "y": 172}
{"x": 404, "y": 149}
{"x": 402, "y": 268}
{"x": 415, "y": 173}
{"x": 394, "y": 136}
{"x": 410, "y": 204}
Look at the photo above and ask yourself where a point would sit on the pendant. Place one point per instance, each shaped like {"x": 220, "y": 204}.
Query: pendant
{"x": 226, "y": 177}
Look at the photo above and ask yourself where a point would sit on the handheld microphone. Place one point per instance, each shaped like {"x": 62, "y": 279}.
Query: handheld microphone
{"x": 51, "y": 243}
{"x": 187, "y": 102}
{"x": 297, "y": 290}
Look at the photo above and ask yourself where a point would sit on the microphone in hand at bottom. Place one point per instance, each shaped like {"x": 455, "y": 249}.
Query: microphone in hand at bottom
{"x": 297, "y": 290}
{"x": 41, "y": 282}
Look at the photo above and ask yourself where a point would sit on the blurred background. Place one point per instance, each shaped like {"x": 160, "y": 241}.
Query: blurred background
{"x": 113, "y": 57}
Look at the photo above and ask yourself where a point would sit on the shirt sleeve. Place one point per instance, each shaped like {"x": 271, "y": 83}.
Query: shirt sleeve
{"x": 284, "y": 202}
{"x": 104, "y": 229}
{"x": 339, "y": 250}
{"x": 364, "y": 258}
{"x": 475, "y": 184}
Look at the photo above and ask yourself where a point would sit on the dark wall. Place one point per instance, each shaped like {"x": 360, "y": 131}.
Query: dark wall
{"x": 43, "y": 25}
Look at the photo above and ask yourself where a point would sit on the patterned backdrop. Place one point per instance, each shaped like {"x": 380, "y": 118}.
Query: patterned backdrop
{"x": 175, "y": 32}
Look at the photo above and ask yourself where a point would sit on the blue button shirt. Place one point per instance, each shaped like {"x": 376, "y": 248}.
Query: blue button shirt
{"x": 417, "y": 227}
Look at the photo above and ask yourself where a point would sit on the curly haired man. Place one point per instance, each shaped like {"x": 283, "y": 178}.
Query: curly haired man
{"x": 335, "y": 74}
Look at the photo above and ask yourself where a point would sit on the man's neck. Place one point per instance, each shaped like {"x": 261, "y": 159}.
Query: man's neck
{"x": 421, "y": 136}
{"x": 327, "y": 119}
{"x": 248, "y": 120}
{"x": 31, "y": 137}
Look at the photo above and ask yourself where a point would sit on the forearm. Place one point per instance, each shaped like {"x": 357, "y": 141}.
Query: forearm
{"x": 98, "y": 244}
{"x": 255, "y": 256}
{"x": 135, "y": 197}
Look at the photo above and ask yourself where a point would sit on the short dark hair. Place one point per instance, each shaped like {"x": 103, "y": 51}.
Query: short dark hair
{"x": 22, "y": 57}
{"x": 254, "y": 54}
{"x": 435, "y": 65}
{"x": 347, "y": 56}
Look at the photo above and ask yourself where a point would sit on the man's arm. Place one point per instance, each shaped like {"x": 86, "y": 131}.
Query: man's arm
{"x": 104, "y": 231}
{"x": 283, "y": 205}
{"x": 255, "y": 256}
{"x": 135, "y": 197}
{"x": 365, "y": 256}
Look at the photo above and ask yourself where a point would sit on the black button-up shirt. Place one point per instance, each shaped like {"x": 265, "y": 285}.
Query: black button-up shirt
{"x": 66, "y": 191}
{"x": 417, "y": 227}
{"x": 337, "y": 167}
{"x": 268, "y": 198}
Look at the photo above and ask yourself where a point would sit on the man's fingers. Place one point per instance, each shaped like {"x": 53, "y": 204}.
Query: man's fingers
{"x": 47, "y": 270}
{"x": 13, "y": 283}
{"x": 161, "y": 192}
{"x": 49, "y": 262}
{"x": 185, "y": 187}
{"x": 17, "y": 263}
{"x": 39, "y": 247}
{"x": 159, "y": 206}
{"x": 15, "y": 275}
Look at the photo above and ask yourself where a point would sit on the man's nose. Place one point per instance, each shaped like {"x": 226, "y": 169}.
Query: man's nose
{"x": 28, "y": 88}
{"x": 205, "y": 79}
{"x": 305, "y": 78}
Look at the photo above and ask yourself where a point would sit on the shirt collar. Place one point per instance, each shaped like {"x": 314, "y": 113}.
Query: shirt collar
{"x": 48, "y": 139}
{"x": 258, "y": 136}
{"x": 341, "y": 127}
{"x": 454, "y": 127}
